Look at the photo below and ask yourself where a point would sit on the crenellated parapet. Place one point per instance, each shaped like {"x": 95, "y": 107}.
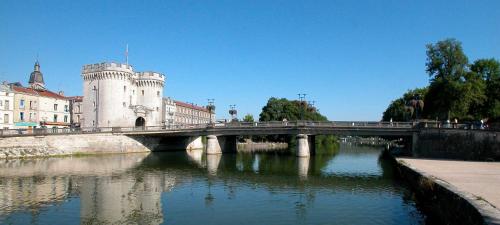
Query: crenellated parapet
{"x": 150, "y": 79}
{"x": 111, "y": 66}
{"x": 102, "y": 71}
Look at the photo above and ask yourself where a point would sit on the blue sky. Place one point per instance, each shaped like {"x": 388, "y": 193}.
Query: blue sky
{"x": 351, "y": 57}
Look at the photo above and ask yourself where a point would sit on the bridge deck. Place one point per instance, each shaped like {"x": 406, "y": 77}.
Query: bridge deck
{"x": 346, "y": 128}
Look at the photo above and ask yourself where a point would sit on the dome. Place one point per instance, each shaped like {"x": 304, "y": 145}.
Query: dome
{"x": 36, "y": 76}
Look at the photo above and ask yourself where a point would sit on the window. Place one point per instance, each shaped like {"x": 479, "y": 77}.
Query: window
{"x": 31, "y": 104}
{"x": 158, "y": 93}
{"x": 5, "y": 118}
{"x": 94, "y": 104}
{"x": 66, "y": 108}
{"x": 21, "y": 104}
{"x": 157, "y": 109}
{"x": 7, "y": 103}
{"x": 124, "y": 105}
{"x": 55, "y": 118}
{"x": 55, "y": 107}
{"x": 93, "y": 122}
{"x": 142, "y": 92}
{"x": 130, "y": 100}
{"x": 31, "y": 117}
{"x": 124, "y": 88}
{"x": 78, "y": 118}
{"x": 65, "y": 118}
{"x": 1, "y": 103}
{"x": 21, "y": 116}
{"x": 133, "y": 92}
{"x": 78, "y": 108}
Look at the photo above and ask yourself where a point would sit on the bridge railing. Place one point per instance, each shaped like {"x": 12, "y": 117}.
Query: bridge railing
{"x": 233, "y": 125}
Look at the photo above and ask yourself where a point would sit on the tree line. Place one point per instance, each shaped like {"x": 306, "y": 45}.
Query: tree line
{"x": 457, "y": 89}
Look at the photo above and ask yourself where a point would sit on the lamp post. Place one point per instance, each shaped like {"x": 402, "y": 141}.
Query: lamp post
{"x": 211, "y": 108}
{"x": 302, "y": 98}
{"x": 233, "y": 112}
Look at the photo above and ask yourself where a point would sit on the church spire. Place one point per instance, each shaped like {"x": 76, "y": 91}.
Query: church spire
{"x": 36, "y": 78}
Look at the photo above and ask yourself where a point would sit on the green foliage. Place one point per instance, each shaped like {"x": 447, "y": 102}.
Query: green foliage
{"x": 489, "y": 71}
{"x": 447, "y": 67}
{"x": 446, "y": 60}
{"x": 456, "y": 89}
{"x": 401, "y": 109}
{"x": 291, "y": 110}
{"x": 248, "y": 118}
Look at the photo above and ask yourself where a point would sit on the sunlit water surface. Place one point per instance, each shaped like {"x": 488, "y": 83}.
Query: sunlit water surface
{"x": 354, "y": 186}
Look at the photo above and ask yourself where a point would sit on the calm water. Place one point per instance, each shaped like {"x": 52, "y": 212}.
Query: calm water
{"x": 353, "y": 186}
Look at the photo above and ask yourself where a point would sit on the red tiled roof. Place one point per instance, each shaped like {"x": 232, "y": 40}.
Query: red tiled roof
{"x": 44, "y": 93}
{"x": 191, "y": 106}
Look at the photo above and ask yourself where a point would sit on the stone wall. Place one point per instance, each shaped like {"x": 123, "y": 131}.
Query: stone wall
{"x": 51, "y": 145}
{"x": 457, "y": 144}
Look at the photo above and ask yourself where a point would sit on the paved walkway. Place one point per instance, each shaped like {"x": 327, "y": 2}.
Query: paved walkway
{"x": 481, "y": 179}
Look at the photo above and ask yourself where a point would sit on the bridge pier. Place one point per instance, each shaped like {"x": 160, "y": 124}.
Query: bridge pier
{"x": 220, "y": 144}
{"x": 194, "y": 143}
{"x": 303, "y": 149}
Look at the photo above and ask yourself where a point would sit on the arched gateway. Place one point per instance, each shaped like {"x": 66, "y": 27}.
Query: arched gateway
{"x": 140, "y": 122}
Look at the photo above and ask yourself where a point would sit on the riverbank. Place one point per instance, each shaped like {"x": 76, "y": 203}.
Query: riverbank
{"x": 458, "y": 192}
{"x": 57, "y": 145}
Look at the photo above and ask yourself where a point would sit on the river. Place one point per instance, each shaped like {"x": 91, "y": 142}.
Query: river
{"x": 350, "y": 186}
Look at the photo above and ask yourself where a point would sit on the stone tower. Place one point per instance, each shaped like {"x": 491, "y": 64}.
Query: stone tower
{"x": 116, "y": 96}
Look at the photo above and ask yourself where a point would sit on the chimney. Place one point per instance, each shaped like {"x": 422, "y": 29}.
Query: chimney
{"x": 61, "y": 93}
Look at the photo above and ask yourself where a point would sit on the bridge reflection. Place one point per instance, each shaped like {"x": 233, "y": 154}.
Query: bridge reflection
{"x": 128, "y": 188}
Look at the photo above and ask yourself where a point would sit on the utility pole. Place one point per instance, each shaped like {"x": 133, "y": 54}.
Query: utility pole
{"x": 302, "y": 99}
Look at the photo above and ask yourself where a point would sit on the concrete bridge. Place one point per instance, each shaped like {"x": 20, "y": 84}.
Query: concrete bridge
{"x": 222, "y": 137}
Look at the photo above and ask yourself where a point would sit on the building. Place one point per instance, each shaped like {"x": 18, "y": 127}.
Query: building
{"x": 169, "y": 109}
{"x": 75, "y": 110}
{"x": 6, "y": 107}
{"x": 36, "y": 106}
{"x": 116, "y": 96}
{"x": 192, "y": 114}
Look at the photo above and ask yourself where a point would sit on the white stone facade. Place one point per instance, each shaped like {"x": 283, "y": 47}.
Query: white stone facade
{"x": 169, "y": 109}
{"x": 116, "y": 96}
{"x": 6, "y": 107}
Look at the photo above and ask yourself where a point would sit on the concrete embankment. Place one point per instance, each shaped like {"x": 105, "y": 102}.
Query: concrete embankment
{"x": 52, "y": 145}
{"x": 454, "y": 192}
{"x": 481, "y": 145}
{"x": 262, "y": 147}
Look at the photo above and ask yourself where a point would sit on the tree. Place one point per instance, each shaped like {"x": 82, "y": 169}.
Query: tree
{"x": 279, "y": 109}
{"x": 407, "y": 107}
{"x": 446, "y": 60}
{"x": 291, "y": 110}
{"x": 248, "y": 118}
{"x": 489, "y": 71}
{"x": 447, "y": 67}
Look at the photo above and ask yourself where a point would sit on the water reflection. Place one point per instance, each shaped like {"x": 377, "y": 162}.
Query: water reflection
{"x": 167, "y": 188}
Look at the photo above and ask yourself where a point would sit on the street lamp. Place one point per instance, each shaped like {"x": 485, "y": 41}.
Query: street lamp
{"x": 233, "y": 112}
{"x": 211, "y": 108}
{"x": 302, "y": 99}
